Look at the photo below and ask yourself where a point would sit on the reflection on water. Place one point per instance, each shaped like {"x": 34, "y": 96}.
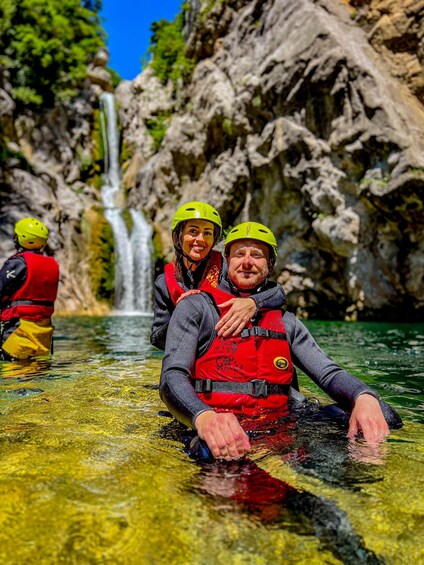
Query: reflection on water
{"x": 92, "y": 471}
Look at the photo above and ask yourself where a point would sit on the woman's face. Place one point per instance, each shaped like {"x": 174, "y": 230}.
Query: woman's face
{"x": 197, "y": 238}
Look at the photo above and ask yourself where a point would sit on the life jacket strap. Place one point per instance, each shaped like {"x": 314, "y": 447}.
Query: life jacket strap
{"x": 27, "y": 303}
{"x": 262, "y": 332}
{"x": 256, "y": 388}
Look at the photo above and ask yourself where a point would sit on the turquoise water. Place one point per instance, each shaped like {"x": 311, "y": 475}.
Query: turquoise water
{"x": 388, "y": 357}
{"x": 92, "y": 471}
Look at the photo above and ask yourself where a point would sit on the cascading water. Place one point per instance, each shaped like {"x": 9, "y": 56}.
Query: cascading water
{"x": 133, "y": 252}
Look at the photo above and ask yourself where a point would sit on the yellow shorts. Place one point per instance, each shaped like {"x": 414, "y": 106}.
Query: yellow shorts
{"x": 30, "y": 339}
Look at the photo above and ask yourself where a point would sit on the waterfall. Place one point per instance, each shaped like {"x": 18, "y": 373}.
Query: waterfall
{"x": 133, "y": 251}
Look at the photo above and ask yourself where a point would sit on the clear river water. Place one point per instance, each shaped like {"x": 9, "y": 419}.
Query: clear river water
{"x": 93, "y": 470}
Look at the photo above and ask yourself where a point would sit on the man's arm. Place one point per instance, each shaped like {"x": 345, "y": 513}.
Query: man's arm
{"x": 12, "y": 276}
{"x": 338, "y": 383}
{"x": 190, "y": 333}
{"x": 187, "y": 334}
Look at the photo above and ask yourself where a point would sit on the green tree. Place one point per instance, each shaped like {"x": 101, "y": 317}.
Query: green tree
{"x": 168, "y": 49}
{"x": 46, "y": 45}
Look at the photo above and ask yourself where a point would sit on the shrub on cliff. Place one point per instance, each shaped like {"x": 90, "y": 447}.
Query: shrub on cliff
{"x": 46, "y": 45}
{"x": 167, "y": 47}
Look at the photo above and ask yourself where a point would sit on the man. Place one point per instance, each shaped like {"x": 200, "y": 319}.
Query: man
{"x": 28, "y": 288}
{"x": 212, "y": 383}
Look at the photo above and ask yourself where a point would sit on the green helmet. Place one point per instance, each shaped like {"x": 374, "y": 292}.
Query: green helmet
{"x": 199, "y": 211}
{"x": 252, "y": 230}
{"x": 31, "y": 233}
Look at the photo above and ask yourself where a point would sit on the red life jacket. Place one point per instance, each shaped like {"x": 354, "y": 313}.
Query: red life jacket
{"x": 210, "y": 278}
{"x": 34, "y": 300}
{"x": 259, "y": 358}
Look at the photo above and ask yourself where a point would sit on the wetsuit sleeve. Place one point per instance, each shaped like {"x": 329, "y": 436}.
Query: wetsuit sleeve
{"x": 190, "y": 331}
{"x": 272, "y": 298}
{"x": 338, "y": 383}
{"x": 12, "y": 276}
{"x": 162, "y": 311}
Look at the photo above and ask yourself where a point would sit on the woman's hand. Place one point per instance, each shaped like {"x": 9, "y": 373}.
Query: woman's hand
{"x": 222, "y": 432}
{"x": 237, "y": 317}
{"x": 188, "y": 293}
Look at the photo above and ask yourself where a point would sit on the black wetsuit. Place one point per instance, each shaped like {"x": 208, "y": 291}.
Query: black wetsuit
{"x": 190, "y": 334}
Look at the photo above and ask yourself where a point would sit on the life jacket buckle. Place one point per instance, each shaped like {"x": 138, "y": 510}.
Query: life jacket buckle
{"x": 255, "y": 331}
{"x": 260, "y": 388}
{"x": 207, "y": 386}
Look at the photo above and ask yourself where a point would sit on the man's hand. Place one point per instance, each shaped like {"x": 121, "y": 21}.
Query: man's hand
{"x": 188, "y": 293}
{"x": 222, "y": 432}
{"x": 368, "y": 417}
{"x": 237, "y": 317}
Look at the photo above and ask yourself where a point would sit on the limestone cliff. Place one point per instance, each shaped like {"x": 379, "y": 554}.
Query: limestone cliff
{"x": 47, "y": 159}
{"x": 305, "y": 115}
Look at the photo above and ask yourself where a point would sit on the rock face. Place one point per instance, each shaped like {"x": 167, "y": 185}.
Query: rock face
{"x": 395, "y": 30}
{"x": 306, "y": 116}
{"x": 42, "y": 175}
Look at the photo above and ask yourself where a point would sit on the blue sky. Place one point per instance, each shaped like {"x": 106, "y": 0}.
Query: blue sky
{"x": 127, "y": 24}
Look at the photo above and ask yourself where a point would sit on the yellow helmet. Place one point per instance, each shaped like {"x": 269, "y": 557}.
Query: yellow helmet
{"x": 31, "y": 233}
{"x": 197, "y": 211}
{"x": 252, "y": 230}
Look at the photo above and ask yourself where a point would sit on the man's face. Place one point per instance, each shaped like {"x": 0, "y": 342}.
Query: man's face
{"x": 248, "y": 263}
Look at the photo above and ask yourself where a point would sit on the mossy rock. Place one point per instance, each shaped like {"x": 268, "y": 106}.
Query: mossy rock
{"x": 101, "y": 247}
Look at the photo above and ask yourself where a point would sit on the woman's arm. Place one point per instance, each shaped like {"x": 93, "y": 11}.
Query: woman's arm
{"x": 273, "y": 298}
{"x": 244, "y": 309}
{"x": 162, "y": 311}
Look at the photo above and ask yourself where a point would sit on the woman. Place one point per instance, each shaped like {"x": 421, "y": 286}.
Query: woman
{"x": 196, "y": 228}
